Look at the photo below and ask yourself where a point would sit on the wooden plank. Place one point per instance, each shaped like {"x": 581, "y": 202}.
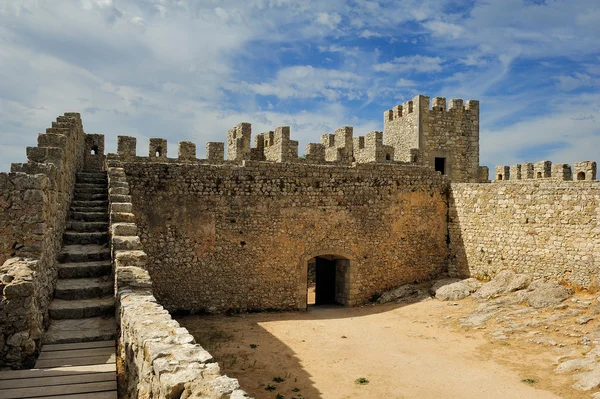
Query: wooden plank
{"x": 79, "y": 345}
{"x": 57, "y": 371}
{"x": 95, "y": 395}
{"x": 78, "y": 361}
{"x": 59, "y": 380}
{"x": 21, "y": 393}
{"x": 76, "y": 353}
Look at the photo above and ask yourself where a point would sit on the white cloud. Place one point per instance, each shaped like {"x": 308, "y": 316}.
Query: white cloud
{"x": 405, "y": 83}
{"x": 444, "y": 29}
{"x": 417, "y": 63}
{"x": 569, "y": 83}
{"x": 367, "y": 34}
{"x": 306, "y": 81}
{"x": 572, "y": 123}
{"x": 331, "y": 20}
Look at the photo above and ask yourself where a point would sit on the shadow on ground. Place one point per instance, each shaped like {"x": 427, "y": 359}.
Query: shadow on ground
{"x": 247, "y": 348}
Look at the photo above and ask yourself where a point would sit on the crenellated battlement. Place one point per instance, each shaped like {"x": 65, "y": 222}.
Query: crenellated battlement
{"x": 436, "y": 133}
{"x": 438, "y": 104}
{"x": 546, "y": 170}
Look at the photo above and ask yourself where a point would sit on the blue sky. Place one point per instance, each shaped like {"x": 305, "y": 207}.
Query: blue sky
{"x": 190, "y": 70}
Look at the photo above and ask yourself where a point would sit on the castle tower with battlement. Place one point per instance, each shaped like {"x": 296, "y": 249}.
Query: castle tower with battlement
{"x": 446, "y": 139}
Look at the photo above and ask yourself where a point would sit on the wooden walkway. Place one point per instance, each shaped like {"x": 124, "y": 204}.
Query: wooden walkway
{"x": 84, "y": 370}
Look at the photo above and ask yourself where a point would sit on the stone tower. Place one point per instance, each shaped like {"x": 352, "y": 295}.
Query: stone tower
{"x": 444, "y": 139}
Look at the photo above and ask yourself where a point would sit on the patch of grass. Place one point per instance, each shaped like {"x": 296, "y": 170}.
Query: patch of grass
{"x": 279, "y": 396}
{"x": 296, "y": 390}
{"x": 361, "y": 381}
{"x": 253, "y": 346}
{"x": 278, "y": 379}
{"x": 530, "y": 381}
{"x": 270, "y": 387}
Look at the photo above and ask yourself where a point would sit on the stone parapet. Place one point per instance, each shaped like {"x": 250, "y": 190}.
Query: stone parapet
{"x": 544, "y": 228}
{"x": 159, "y": 358}
{"x": 35, "y": 198}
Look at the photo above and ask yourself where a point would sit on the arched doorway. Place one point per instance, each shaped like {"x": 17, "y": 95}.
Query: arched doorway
{"x": 328, "y": 280}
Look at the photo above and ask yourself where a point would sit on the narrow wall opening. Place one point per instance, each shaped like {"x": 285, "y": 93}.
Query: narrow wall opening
{"x": 581, "y": 176}
{"x": 328, "y": 281}
{"x": 440, "y": 165}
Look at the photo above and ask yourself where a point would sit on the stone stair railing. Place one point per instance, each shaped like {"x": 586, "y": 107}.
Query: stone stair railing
{"x": 159, "y": 358}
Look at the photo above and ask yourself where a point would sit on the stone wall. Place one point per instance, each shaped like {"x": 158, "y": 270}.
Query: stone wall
{"x": 543, "y": 228}
{"x": 34, "y": 201}
{"x": 452, "y": 134}
{"x": 239, "y": 237}
{"x": 158, "y": 358}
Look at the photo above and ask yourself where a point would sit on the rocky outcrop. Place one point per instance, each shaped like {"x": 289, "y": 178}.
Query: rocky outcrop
{"x": 505, "y": 282}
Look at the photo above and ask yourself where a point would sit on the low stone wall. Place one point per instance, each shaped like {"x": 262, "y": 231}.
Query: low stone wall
{"x": 158, "y": 358}
{"x": 34, "y": 202}
{"x": 22, "y": 321}
{"x": 543, "y": 228}
{"x": 239, "y": 237}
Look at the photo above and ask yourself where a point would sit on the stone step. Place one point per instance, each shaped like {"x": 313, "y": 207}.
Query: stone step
{"x": 84, "y": 253}
{"x": 84, "y": 269}
{"x": 90, "y": 196}
{"x": 95, "y": 189}
{"x": 88, "y": 209}
{"x": 82, "y": 308}
{"x": 86, "y": 184}
{"x": 80, "y": 330}
{"x": 94, "y": 204}
{"x": 77, "y": 225}
{"x": 90, "y": 216}
{"x": 92, "y": 179}
{"x": 88, "y": 173}
{"x": 84, "y": 238}
{"x": 83, "y": 288}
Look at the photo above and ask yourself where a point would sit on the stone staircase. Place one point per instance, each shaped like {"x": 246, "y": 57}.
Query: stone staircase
{"x": 83, "y": 307}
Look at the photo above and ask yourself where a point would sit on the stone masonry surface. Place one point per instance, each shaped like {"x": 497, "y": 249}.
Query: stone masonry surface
{"x": 452, "y": 134}
{"x": 239, "y": 237}
{"x": 34, "y": 201}
{"x": 542, "y": 228}
{"x": 159, "y": 358}
{"x": 237, "y": 232}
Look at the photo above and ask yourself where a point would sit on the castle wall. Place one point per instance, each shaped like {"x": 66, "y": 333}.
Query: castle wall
{"x": 543, "y": 228}
{"x": 401, "y": 131}
{"x": 230, "y": 237}
{"x": 147, "y": 331}
{"x": 34, "y": 202}
{"x": 438, "y": 132}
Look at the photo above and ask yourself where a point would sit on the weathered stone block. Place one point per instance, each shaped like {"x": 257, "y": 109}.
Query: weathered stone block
{"x": 187, "y": 151}
{"x": 126, "y": 146}
{"x": 215, "y": 152}
{"x": 157, "y": 148}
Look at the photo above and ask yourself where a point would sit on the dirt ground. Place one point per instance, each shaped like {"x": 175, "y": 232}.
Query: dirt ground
{"x": 407, "y": 350}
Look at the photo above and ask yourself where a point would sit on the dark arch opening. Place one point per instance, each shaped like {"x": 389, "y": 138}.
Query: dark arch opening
{"x": 388, "y": 157}
{"x": 328, "y": 280}
{"x": 158, "y": 152}
{"x": 539, "y": 175}
{"x": 94, "y": 150}
{"x": 581, "y": 176}
{"x": 499, "y": 177}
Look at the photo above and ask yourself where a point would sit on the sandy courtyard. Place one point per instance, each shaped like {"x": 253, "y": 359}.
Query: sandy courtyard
{"x": 412, "y": 350}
